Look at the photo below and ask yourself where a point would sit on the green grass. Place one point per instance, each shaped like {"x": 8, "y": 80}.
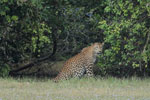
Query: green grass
{"x": 75, "y": 89}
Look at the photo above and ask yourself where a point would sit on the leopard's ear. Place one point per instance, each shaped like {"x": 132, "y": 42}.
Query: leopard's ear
{"x": 96, "y": 44}
{"x": 103, "y": 44}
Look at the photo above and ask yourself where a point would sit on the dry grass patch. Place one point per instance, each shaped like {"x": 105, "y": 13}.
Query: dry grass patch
{"x": 75, "y": 89}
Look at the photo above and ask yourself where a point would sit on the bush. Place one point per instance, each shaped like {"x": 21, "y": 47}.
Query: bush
{"x": 126, "y": 31}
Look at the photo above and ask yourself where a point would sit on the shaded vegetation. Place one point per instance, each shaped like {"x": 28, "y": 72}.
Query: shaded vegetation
{"x": 33, "y": 32}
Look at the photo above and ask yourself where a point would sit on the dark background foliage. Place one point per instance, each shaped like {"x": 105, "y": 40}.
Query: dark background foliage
{"x": 33, "y": 31}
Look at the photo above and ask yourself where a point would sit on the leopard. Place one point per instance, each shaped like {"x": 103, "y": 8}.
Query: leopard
{"x": 81, "y": 63}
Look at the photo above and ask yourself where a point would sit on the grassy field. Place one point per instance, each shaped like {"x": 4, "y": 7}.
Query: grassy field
{"x": 75, "y": 89}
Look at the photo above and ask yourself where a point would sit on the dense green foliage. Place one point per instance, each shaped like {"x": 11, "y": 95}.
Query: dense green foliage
{"x": 33, "y": 29}
{"x": 127, "y": 32}
{"x": 22, "y": 32}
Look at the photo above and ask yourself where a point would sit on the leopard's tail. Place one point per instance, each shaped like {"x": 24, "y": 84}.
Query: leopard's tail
{"x": 60, "y": 77}
{"x": 56, "y": 79}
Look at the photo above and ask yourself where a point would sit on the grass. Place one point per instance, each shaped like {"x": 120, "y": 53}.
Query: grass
{"x": 75, "y": 89}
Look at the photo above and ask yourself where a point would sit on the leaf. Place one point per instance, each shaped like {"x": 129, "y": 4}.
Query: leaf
{"x": 107, "y": 9}
{"x": 8, "y": 18}
{"x": 5, "y": 0}
{"x": 2, "y": 13}
{"x": 14, "y": 18}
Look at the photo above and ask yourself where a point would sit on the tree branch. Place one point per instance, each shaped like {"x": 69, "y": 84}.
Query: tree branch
{"x": 13, "y": 72}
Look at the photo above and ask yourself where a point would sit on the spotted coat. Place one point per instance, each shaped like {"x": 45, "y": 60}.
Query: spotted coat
{"x": 80, "y": 63}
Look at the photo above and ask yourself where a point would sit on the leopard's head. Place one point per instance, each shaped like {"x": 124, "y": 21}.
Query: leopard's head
{"x": 98, "y": 47}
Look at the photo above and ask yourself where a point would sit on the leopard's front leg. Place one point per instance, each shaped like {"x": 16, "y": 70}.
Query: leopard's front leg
{"x": 89, "y": 70}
